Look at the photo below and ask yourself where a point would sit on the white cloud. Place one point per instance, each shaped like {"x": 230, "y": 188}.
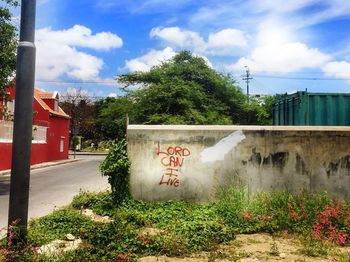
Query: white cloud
{"x": 282, "y": 58}
{"x": 331, "y": 9}
{"x": 250, "y": 13}
{"x": 223, "y": 42}
{"x": 112, "y": 95}
{"x": 57, "y": 53}
{"x": 337, "y": 69}
{"x": 155, "y": 57}
{"x": 278, "y": 7}
{"x": 80, "y": 36}
{"x": 179, "y": 38}
{"x": 55, "y": 60}
{"x": 271, "y": 32}
{"x": 206, "y": 60}
{"x": 152, "y": 58}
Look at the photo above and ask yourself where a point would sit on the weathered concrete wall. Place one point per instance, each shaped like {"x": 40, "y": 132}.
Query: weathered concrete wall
{"x": 192, "y": 162}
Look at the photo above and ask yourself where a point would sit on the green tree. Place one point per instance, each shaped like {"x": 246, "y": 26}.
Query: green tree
{"x": 78, "y": 105}
{"x": 185, "y": 90}
{"x": 259, "y": 110}
{"x": 110, "y": 118}
{"x": 8, "y": 43}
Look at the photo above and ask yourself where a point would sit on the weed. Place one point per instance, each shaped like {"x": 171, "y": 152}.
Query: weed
{"x": 332, "y": 223}
{"x": 58, "y": 224}
{"x": 344, "y": 257}
{"x": 274, "y": 249}
{"x": 100, "y": 203}
{"x": 116, "y": 166}
{"x": 184, "y": 228}
{"x": 15, "y": 249}
{"x": 314, "y": 248}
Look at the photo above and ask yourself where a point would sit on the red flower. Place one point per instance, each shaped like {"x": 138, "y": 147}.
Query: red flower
{"x": 144, "y": 240}
{"x": 246, "y": 215}
{"x": 293, "y": 215}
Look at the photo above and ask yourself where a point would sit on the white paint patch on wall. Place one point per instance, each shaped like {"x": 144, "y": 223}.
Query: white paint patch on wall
{"x": 225, "y": 145}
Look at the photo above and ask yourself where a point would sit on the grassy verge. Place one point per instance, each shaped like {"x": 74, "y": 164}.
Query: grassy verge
{"x": 178, "y": 228}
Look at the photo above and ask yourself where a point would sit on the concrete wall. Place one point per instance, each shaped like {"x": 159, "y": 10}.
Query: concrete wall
{"x": 193, "y": 162}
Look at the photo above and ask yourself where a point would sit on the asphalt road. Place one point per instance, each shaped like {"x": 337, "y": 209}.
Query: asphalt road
{"x": 54, "y": 187}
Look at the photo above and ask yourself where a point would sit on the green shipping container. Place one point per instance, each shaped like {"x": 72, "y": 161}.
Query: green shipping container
{"x": 312, "y": 109}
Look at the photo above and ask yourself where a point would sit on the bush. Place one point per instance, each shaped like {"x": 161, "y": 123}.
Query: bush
{"x": 315, "y": 215}
{"x": 58, "y": 224}
{"x": 116, "y": 167}
{"x": 100, "y": 203}
{"x": 179, "y": 228}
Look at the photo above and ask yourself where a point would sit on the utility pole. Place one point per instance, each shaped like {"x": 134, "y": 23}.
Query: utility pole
{"x": 247, "y": 77}
{"x": 22, "y": 130}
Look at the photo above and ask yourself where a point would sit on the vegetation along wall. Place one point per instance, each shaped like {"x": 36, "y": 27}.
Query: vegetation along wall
{"x": 193, "y": 162}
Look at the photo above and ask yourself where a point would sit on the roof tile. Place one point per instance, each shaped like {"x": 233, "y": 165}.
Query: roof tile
{"x": 40, "y": 96}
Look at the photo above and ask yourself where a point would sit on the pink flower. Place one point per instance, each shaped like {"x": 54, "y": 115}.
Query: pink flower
{"x": 293, "y": 215}
{"x": 246, "y": 215}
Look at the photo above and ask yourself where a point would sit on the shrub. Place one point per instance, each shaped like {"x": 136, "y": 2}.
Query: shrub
{"x": 100, "y": 203}
{"x": 16, "y": 249}
{"x": 116, "y": 166}
{"x": 58, "y": 224}
{"x": 328, "y": 219}
{"x": 333, "y": 224}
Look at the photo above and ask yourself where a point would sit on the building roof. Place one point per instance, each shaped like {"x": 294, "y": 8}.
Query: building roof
{"x": 48, "y": 95}
{"x": 40, "y": 96}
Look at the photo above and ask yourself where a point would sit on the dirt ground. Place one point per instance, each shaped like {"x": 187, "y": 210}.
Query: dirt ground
{"x": 262, "y": 247}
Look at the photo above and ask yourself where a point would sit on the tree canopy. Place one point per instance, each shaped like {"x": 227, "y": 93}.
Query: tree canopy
{"x": 8, "y": 44}
{"x": 184, "y": 90}
{"x": 110, "y": 117}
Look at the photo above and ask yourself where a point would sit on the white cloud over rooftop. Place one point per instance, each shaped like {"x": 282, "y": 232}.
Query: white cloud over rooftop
{"x": 58, "y": 53}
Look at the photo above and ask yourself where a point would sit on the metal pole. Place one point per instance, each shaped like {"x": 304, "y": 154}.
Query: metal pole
{"x": 22, "y": 131}
{"x": 74, "y": 145}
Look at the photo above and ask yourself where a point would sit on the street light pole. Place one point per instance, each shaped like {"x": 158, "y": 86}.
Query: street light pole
{"x": 22, "y": 130}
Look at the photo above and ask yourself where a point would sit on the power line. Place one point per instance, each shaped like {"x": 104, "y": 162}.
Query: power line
{"x": 301, "y": 78}
{"x": 76, "y": 82}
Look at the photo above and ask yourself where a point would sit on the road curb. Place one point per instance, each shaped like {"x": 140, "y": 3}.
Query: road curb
{"x": 42, "y": 165}
{"x": 87, "y": 154}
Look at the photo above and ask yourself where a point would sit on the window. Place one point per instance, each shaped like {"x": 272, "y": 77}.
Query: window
{"x": 62, "y": 144}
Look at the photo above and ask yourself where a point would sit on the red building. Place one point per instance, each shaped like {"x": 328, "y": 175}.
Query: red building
{"x": 50, "y": 139}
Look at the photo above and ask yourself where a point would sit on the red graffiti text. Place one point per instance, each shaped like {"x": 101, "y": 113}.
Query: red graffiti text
{"x": 172, "y": 158}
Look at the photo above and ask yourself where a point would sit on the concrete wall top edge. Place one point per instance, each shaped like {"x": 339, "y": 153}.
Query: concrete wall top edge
{"x": 233, "y": 128}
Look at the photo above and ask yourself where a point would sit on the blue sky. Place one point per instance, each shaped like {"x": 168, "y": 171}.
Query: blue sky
{"x": 288, "y": 45}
